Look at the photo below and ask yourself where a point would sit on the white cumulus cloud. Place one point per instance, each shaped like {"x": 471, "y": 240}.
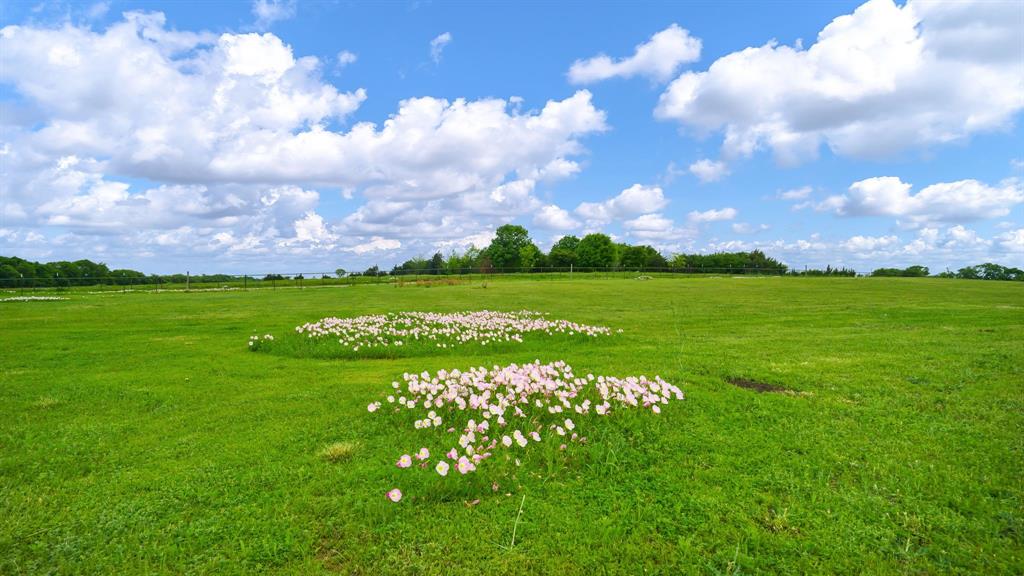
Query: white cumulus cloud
{"x": 659, "y": 231}
{"x": 658, "y": 59}
{"x": 238, "y": 132}
{"x": 879, "y": 80}
{"x": 747, "y": 228}
{"x": 635, "y": 200}
{"x": 552, "y": 217}
{"x": 1012, "y": 241}
{"x": 267, "y": 12}
{"x": 712, "y": 215}
{"x": 960, "y": 201}
{"x": 376, "y": 244}
{"x": 709, "y": 170}
{"x": 795, "y": 193}
{"x": 862, "y": 244}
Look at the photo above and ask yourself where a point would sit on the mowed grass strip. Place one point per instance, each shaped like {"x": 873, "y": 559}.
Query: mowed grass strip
{"x": 139, "y": 435}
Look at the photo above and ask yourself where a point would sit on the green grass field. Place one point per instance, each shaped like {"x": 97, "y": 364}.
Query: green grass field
{"x": 139, "y": 435}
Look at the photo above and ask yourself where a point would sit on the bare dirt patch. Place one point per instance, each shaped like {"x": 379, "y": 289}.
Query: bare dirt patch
{"x": 755, "y": 385}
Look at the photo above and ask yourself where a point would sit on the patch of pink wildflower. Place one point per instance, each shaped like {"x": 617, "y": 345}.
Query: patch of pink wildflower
{"x": 505, "y": 410}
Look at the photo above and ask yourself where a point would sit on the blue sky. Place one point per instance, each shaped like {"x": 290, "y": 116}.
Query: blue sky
{"x": 252, "y": 136}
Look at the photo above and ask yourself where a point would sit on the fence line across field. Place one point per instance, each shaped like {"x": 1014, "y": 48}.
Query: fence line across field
{"x": 274, "y": 280}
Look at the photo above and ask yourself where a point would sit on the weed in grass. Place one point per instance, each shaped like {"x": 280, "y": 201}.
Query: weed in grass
{"x": 46, "y": 402}
{"x": 339, "y": 451}
{"x": 515, "y": 525}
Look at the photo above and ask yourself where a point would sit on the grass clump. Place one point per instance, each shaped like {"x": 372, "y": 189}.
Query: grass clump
{"x": 46, "y": 402}
{"x": 339, "y": 451}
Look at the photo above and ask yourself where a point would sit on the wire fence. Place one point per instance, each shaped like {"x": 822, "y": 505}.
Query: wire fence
{"x": 274, "y": 281}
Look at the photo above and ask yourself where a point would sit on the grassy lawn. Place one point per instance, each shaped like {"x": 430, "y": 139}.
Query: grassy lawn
{"x": 139, "y": 435}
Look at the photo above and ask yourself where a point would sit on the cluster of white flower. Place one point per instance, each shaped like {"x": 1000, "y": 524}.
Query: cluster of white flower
{"x": 441, "y": 329}
{"x": 255, "y": 341}
{"x": 32, "y": 299}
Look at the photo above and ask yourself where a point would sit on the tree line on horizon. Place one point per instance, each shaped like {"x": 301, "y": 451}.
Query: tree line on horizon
{"x": 986, "y": 271}
{"x": 87, "y": 272}
{"x": 511, "y": 250}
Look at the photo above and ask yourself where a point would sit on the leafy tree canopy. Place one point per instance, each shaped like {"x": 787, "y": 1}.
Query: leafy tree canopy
{"x": 595, "y": 251}
{"x": 506, "y": 249}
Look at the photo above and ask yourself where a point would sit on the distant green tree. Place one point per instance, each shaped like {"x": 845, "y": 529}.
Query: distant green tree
{"x": 124, "y": 277}
{"x": 463, "y": 263}
{"x": 990, "y": 271}
{"x": 436, "y": 263}
{"x": 655, "y": 260}
{"x": 340, "y": 272}
{"x": 916, "y": 271}
{"x": 911, "y": 271}
{"x": 484, "y": 264}
{"x": 458, "y": 263}
{"x": 595, "y": 251}
{"x": 828, "y": 271}
{"x": 417, "y": 265}
{"x": 637, "y": 257}
{"x": 530, "y": 256}
{"x": 968, "y": 273}
{"x": 472, "y": 258}
{"x": 505, "y": 251}
{"x": 9, "y": 276}
{"x": 734, "y": 263}
{"x": 887, "y": 272}
{"x": 563, "y": 252}
{"x": 620, "y": 252}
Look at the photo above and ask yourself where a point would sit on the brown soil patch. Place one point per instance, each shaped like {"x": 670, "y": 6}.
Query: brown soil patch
{"x": 755, "y": 385}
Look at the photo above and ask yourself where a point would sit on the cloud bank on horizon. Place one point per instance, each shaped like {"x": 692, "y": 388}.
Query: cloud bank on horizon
{"x": 892, "y": 138}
